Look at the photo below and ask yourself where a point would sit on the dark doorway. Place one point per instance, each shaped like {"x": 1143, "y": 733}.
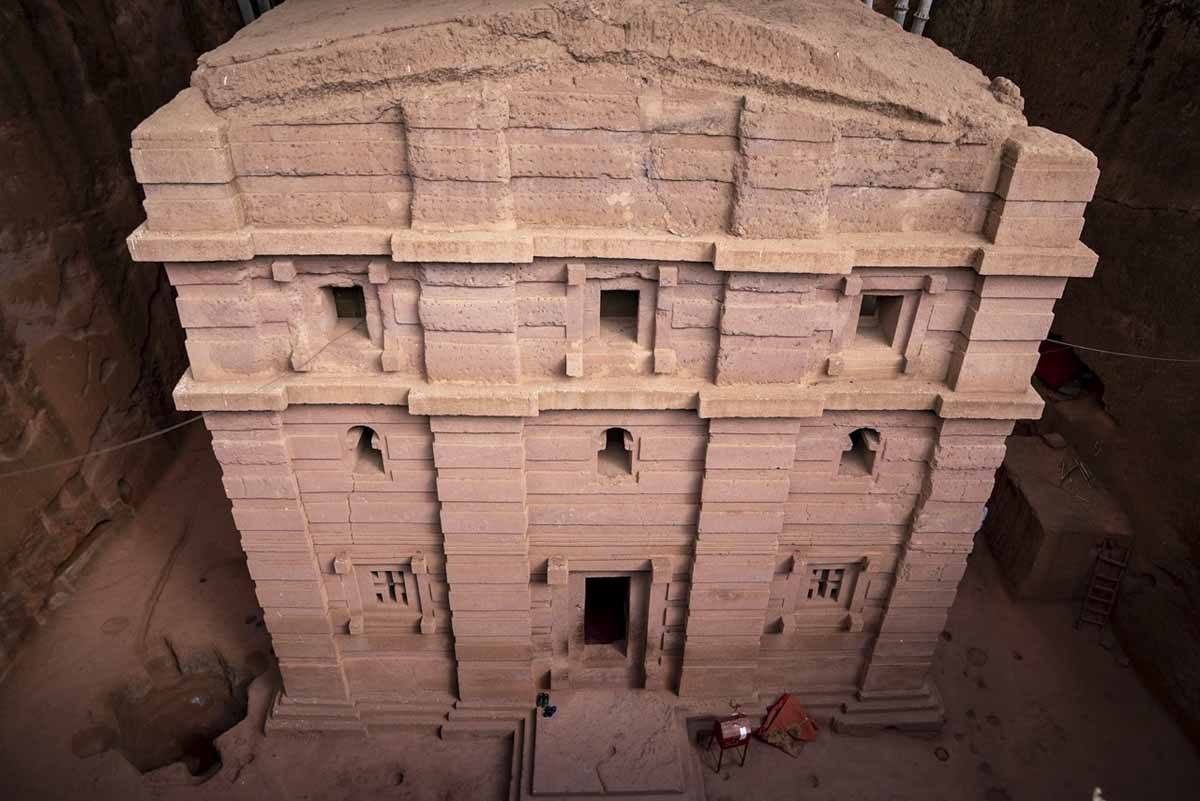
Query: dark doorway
{"x": 606, "y": 610}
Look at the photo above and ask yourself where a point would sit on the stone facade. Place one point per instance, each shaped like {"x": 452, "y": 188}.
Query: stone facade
{"x": 553, "y": 353}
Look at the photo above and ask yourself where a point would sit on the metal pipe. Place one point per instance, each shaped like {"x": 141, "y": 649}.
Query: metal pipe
{"x": 921, "y": 17}
{"x": 900, "y": 14}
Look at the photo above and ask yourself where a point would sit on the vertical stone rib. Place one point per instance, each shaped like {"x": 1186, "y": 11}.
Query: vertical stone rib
{"x": 481, "y": 487}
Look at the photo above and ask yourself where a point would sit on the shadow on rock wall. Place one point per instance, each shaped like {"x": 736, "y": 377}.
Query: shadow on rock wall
{"x": 1121, "y": 78}
{"x": 89, "y": 342}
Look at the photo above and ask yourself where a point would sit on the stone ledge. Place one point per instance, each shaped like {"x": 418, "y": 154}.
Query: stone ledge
{"x": 463, "y": 247}
{"x": 831, "y": 256}
{"x": 528, "y": 400}
{"x": 1078, "y": 261}
{"x": 480, "y": 400}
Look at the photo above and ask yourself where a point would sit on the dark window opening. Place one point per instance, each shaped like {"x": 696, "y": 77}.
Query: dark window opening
{"x": 878, "y": 320}
{"x": 605, "y": 610}
{"x": 859, "y": 458}
{"x": 368, "y": 458}
{"x": 616, "y": 458}
{"x": 825, "y": 584}
{"x": 619, "y": 313}
{"x": 348, "y": 302}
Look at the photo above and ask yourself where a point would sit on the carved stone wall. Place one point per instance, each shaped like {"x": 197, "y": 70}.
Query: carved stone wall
{"x": 487, "y": 349}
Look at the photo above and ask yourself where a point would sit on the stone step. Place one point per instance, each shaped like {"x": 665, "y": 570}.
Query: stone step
{"x": 476, "y": 729}
{"x": 499, "y": 713}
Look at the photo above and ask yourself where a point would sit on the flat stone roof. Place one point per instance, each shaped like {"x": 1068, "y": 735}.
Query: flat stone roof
{"x": 351, "y": 60}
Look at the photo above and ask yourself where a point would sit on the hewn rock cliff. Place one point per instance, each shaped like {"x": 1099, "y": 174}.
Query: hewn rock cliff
{"x": 89, "y": 342}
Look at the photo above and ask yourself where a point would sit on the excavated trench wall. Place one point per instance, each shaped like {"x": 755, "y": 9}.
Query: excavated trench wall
{"x": 89, "y": 345}
{"x": 1121, "y": 79}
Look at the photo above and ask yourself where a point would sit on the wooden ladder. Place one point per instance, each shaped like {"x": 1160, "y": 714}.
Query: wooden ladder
{"x": 1104, "y": 584}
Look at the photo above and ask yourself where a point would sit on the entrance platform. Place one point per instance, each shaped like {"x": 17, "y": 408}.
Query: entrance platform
{"x": 610, "y": 744}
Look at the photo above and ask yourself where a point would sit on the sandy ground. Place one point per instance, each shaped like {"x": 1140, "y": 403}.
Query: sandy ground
{"x": 1036, "y": 710}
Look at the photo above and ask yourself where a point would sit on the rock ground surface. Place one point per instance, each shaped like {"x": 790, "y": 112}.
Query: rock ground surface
{"x": 1035, "y": 709}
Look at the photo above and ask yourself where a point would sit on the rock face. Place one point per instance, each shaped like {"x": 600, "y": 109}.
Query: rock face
{"x": 1123, "y": 83}
{"x": 88, "y": 342}
{"x": 585, "y": 345}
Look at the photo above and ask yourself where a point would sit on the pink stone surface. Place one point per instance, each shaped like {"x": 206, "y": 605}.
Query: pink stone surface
{"x": 610, "y": 313}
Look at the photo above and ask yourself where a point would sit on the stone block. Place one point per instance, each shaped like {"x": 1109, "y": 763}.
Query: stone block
{"x": 779, "y": 213}
{"x": 191, "y": 165}
{"x": 1043, "y": 531}
{"x": 507, "y": 490}
{"x": 454, "y": 155}
{"x": 750, "y": 457}
{"x": 314, "y": 446}
{"x": 249, "y": 452}
{"x": 191, "y": 209}
{"x": 463, "y": 247}
{"x": 185, "y": 119}
{"x": 575, "y": 364}
{"x": 447, "y": 455}
{"x": 470, "y": 361}
{"x": 216, "y": 307}
{"x": 761, "y": 119}
{"x": 754, "y": 362}
{"x": 968, "y": 457}
{"x": 280, "y": 517}
{"x": 487, "y": 110}
{"x": 468, "y": 275}
{"x": 574, "y": 111}
{"x": 441, "y": 205}
{"x": 665, "y": 361}
{"x": 468, "y": 315}
{"x": 768, "y": 320}
{"x": 1006, "y": 326}
{"x": 327, "y": 152}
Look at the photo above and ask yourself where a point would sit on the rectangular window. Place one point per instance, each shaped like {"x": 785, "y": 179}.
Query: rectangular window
{"x": 619, "y": 314}
{"x": 348, "y": 302}
{"x": 878, "y": 320}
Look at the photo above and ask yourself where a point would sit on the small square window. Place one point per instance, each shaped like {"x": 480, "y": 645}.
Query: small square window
{"x": 348, "y": 302}
{"x": 389, "y": 587}
{"x": 619, "y": 314}
{"x": 878, "y": 321}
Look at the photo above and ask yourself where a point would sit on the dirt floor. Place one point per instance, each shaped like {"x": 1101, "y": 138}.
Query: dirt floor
{"x": 163, "y": 628}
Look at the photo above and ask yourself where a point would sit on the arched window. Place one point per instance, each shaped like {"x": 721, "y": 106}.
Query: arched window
{"x": 616, "y": 456}
{"x": 859, "y": 458}
{"x": 366, "y": 458}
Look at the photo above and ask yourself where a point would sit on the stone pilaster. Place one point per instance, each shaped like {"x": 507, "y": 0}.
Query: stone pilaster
{"x": 266, "y": 503}
{"x": 895, "y": 688}
{"x": 469, "y": 316}
{"x": 481, "y": 487}
{"x": 741, "y": 517}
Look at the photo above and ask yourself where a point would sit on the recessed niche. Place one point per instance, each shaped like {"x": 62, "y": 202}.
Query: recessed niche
{"x": 616, "y": 457}
{"x": 367, "y": 458}
{"x": 859, "y": 458}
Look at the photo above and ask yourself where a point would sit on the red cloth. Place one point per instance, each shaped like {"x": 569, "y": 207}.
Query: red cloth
{"x": 785, "y": 713}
